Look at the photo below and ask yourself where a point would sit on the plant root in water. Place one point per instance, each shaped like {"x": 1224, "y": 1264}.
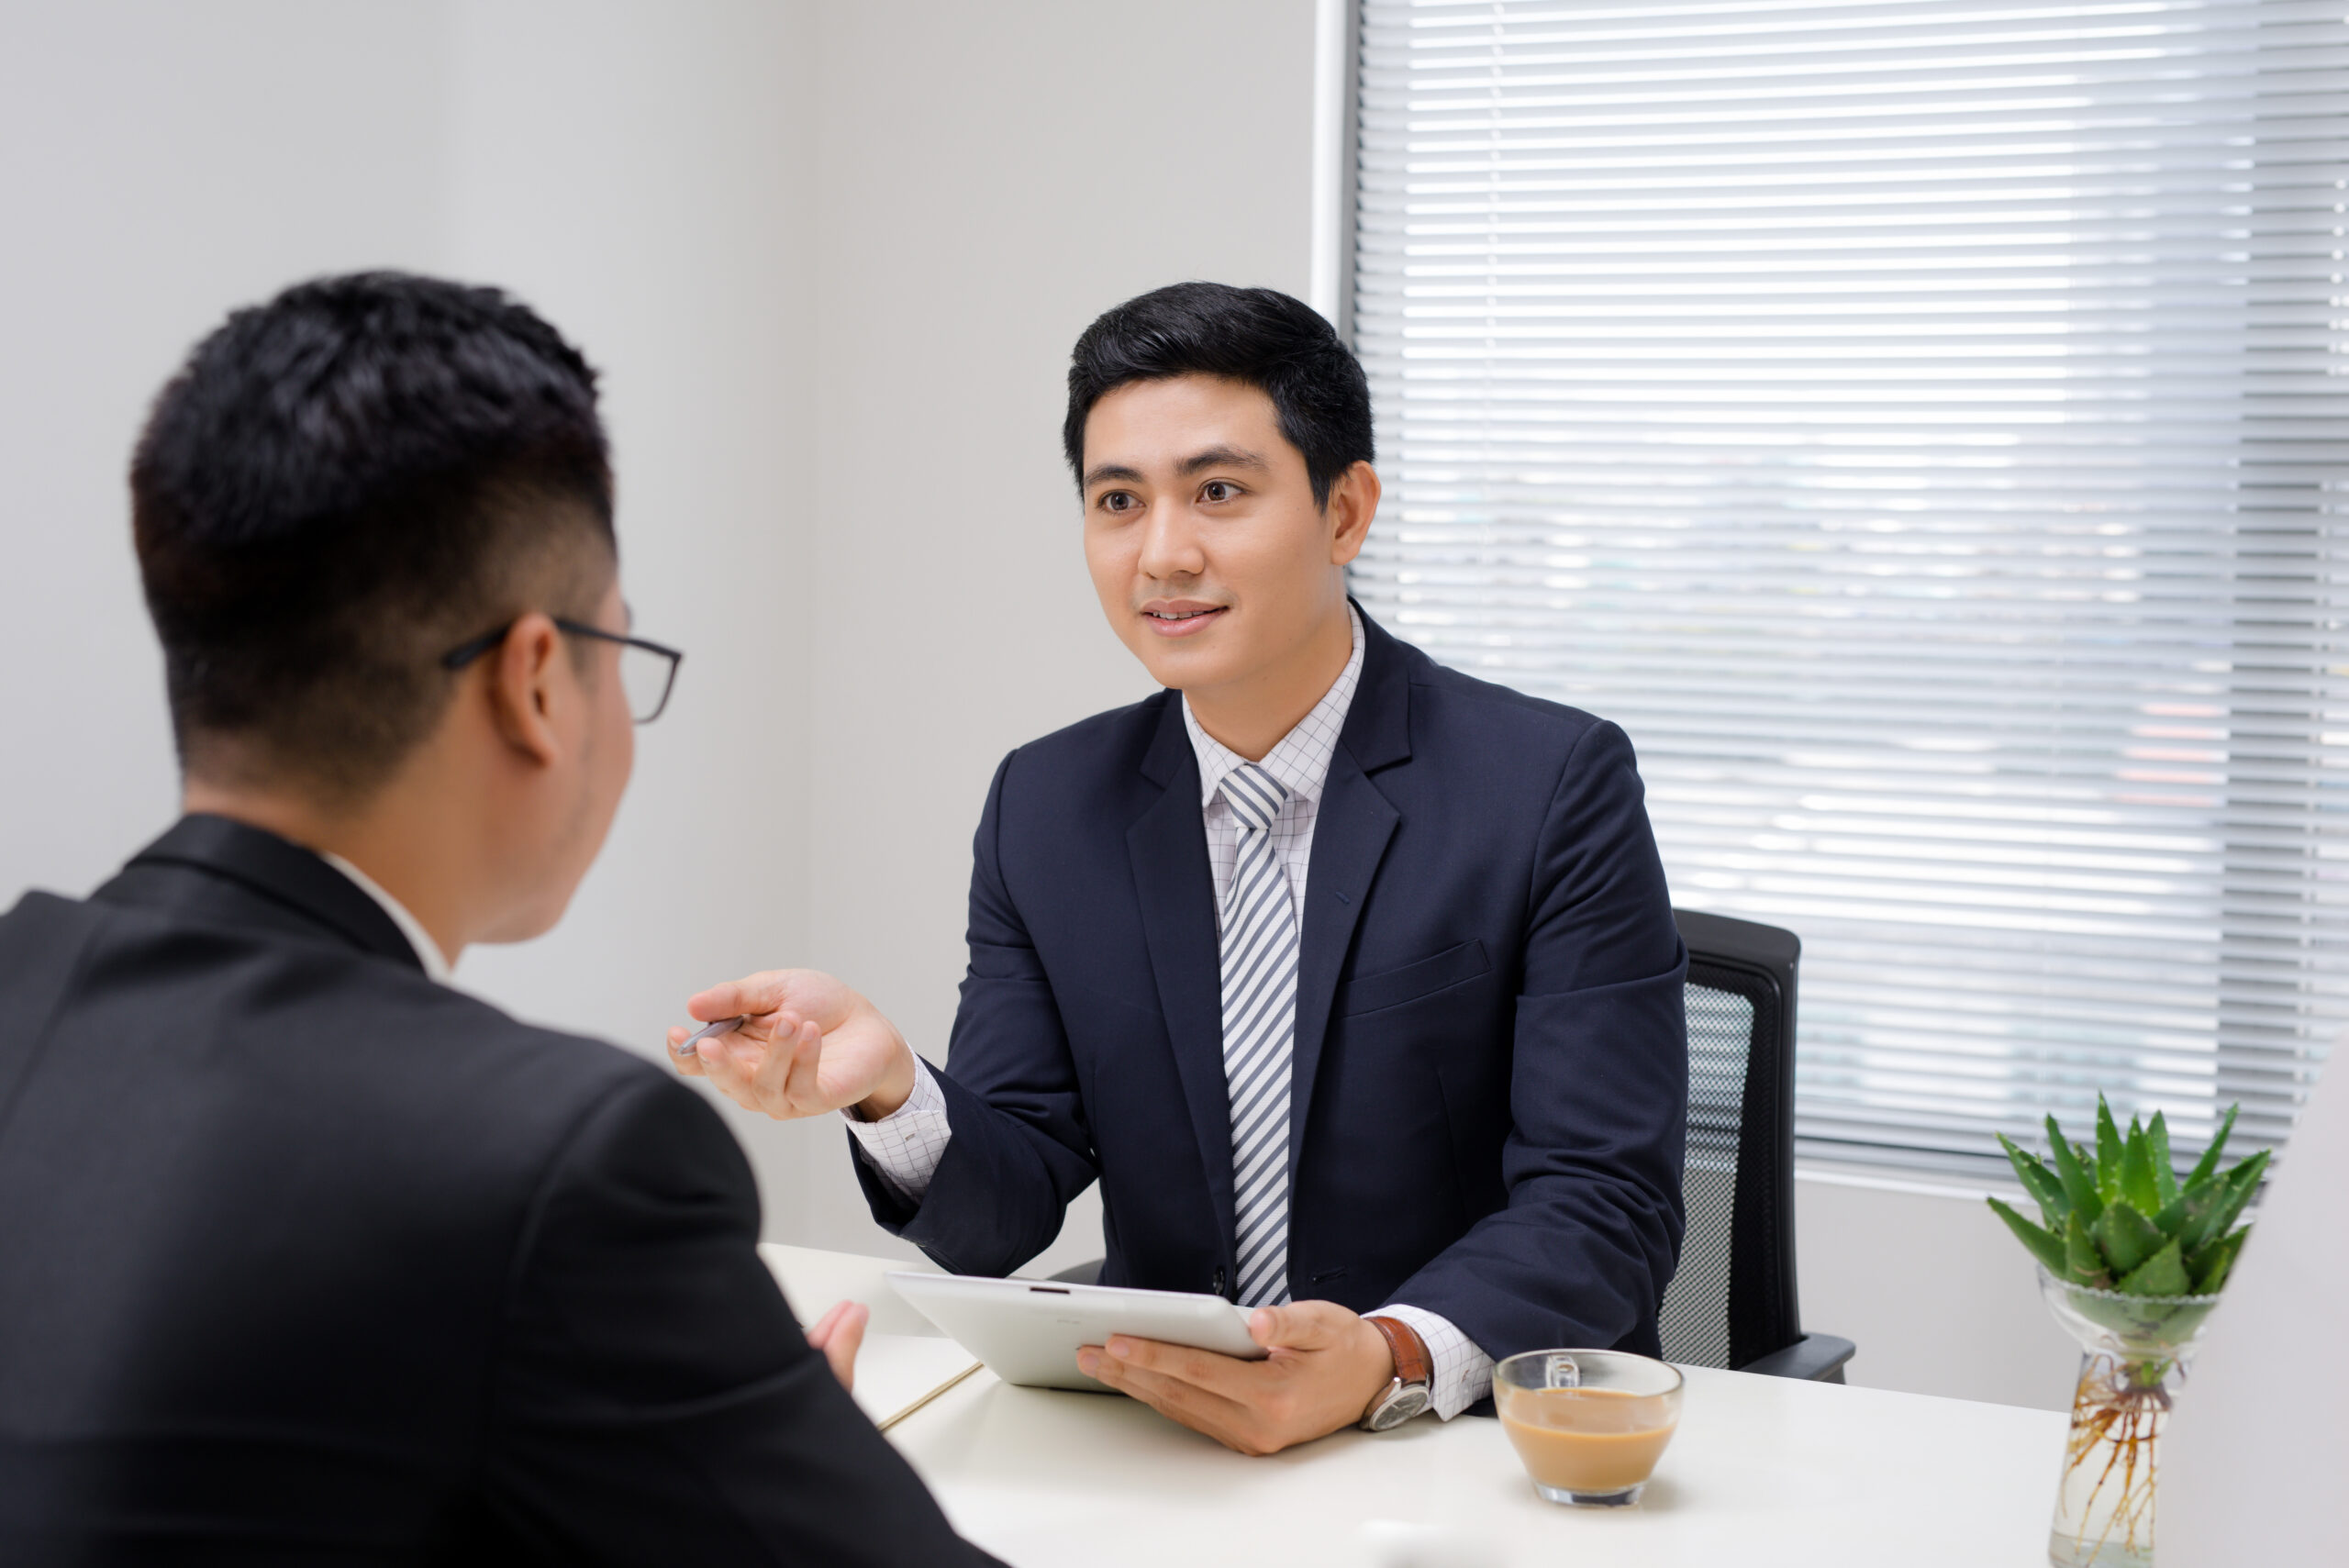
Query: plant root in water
{"x": 2118, "y": 1411}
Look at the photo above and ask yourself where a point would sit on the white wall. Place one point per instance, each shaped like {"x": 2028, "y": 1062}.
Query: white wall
{"x": 830, "y": 257}
{"x": 158, "y": 163}
{"x": 1935, "y": 1293}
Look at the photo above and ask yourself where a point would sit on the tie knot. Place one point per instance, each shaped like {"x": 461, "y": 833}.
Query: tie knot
{"x": 1254, "y": 797}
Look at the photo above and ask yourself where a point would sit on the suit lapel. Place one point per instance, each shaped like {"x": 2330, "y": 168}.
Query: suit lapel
{"x": 1351, "y": 831}
{"x": 1350, "y": 836}
{"x": 1168, "y": 847}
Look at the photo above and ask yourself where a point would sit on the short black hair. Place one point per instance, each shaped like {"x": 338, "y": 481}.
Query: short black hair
{"x": 1279, "y": 345}
{"x": 339, "y": 485}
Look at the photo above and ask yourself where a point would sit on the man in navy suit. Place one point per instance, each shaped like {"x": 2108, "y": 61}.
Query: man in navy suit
{"x": 1352, "y": 980}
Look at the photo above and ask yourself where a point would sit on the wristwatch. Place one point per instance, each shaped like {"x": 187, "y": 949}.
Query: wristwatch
{"x": 1407, "y": 1394}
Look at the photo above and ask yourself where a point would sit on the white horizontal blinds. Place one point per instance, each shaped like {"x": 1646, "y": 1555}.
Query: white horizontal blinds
{"x": 1921, "y": 427}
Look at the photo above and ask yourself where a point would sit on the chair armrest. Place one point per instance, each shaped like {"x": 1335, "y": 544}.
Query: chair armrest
{"x": 1086, "y": 1272}
{"x": 1814, "y": 1358}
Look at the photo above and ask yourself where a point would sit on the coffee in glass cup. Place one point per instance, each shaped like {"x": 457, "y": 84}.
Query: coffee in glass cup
{"x": 1589, "y": 1425}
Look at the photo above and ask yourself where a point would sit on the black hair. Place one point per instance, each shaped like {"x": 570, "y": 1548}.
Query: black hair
{"x": 341, "y": 484}
{"x": 1279, "y": 345}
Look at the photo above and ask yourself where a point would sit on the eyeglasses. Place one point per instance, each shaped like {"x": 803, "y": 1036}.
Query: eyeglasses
{"x": 648, "y": 670}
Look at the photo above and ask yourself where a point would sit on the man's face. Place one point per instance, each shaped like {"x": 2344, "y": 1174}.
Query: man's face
{"x": 1212, "y": 561}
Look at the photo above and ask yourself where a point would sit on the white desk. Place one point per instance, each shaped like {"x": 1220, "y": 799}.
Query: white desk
{"x": 1763, "y": 1472}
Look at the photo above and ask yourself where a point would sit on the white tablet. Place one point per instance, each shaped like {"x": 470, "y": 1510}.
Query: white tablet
{"x": 1027, "y": 1332}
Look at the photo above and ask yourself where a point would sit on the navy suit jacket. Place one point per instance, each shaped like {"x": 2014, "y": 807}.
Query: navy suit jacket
{"x": 1490, "y": 1077}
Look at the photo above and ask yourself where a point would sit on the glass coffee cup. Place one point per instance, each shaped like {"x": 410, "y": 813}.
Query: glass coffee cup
{"x": 1589, "y": 1425}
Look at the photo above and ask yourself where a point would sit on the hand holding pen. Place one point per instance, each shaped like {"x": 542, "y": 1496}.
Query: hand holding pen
{"x": 794, "y": 1042}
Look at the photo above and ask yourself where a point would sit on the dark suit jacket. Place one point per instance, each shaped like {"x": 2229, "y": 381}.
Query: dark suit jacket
{"x": 1490, "y": 1076}
{"x": 304, "y": 1257}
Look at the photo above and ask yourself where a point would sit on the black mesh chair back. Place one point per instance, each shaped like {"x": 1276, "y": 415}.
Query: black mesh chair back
{"x": 1732, "y": 1303}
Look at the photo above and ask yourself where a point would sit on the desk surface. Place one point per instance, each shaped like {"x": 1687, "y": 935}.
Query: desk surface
{"x": 1762, "y": 1470}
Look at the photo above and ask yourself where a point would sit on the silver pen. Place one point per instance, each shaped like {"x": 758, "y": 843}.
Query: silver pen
{"x": 685, "y": 1047}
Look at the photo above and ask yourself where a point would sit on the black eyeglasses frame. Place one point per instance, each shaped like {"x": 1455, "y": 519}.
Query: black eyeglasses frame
{"x": 464, "y": 654}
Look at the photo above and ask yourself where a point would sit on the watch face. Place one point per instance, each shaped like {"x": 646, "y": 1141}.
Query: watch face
{"x": 1399, "y": 1407}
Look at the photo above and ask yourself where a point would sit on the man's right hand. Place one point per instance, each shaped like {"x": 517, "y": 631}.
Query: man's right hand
{"x": 808, "y": 1044}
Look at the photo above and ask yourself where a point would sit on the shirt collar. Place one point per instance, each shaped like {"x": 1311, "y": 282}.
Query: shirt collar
{"x": 428, "y": 952}
{"x": 1301, "y": 761}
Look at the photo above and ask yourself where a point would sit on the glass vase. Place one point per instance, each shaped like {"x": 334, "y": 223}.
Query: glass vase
{"x": 2134, "y": 1352}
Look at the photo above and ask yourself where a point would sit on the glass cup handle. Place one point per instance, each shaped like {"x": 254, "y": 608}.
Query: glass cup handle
{"x": 1560, "y": 1371}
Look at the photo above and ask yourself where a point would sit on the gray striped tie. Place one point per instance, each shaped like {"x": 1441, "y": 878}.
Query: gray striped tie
{"x": 1259, "y": 1030}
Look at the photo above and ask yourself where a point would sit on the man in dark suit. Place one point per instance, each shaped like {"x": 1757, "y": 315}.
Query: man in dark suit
{"x": 304, "y": 1256}
{"x": 1352, "y": 980}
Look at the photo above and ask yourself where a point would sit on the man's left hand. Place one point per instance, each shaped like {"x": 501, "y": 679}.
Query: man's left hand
{"x": 839, "y": 1333}
{"x": 1326, "y": 1366}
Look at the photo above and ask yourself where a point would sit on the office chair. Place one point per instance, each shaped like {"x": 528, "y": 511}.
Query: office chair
{"x": 1732, "y": 1303}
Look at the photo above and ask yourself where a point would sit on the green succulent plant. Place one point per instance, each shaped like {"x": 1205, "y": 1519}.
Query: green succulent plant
{"x": 2116, "y": 1217}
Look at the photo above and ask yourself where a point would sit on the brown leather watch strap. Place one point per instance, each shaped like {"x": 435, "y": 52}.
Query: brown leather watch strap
{"x": 1412, "y": 1363}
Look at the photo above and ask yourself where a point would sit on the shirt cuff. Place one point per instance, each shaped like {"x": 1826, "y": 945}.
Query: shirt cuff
{"x": 1461, "y": 1373}
{"x": 906, "y": 1146}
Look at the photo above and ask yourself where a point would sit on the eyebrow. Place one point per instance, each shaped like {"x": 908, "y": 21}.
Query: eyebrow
{"x": 1213, "y": 457}
{"x": 1094, "y": 476}
{"x": 1221, "y": 457}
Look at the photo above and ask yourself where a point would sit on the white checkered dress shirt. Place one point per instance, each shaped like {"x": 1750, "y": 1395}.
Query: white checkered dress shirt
{"x": 907, "y": 1146}
{"x": 1301, "y": 763}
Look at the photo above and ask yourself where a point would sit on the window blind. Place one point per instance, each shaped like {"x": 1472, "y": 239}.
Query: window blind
{"x": 1921, "y": 428}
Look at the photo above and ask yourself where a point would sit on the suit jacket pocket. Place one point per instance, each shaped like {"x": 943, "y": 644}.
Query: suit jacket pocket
{"x": 1393, "y": 987}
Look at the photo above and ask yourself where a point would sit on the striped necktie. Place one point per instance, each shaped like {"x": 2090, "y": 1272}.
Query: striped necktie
{"x": 1259, "y": 1032}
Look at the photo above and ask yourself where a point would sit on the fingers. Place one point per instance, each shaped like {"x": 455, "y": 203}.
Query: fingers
{"x": 769, "y": 1065}
{"x": 686, "y": 1045}
{"x": 772, "y": 1061}
{"x": 731, "y": 1063}
{"x": 693, "y": 1049}
{"x": 807, "y": 992}
{"x": 821, "y": 1329}
{"x": 848, "y": 1338}
{"x": 759, "y": 993}
{"x": 798, "y": 1055}
{"x": 1300, "y": 1325}
{"x": 783, "y": 1076}
{"x": 1325, "y": 1365}
{"x": 688, "y": 1062}
{"x": 838, "y": 1334}
{"x": 1225, "y": 1376}
{"x": 1226, "y": 1420}
{"x": 806, "y": 1060}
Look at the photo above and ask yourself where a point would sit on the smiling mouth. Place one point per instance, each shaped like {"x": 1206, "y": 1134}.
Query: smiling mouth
{"x": 1181, "y": 619}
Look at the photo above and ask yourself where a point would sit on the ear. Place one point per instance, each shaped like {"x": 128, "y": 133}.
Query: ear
{"x": 1354, "y": 502}
{"x": 527, "y": 684}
